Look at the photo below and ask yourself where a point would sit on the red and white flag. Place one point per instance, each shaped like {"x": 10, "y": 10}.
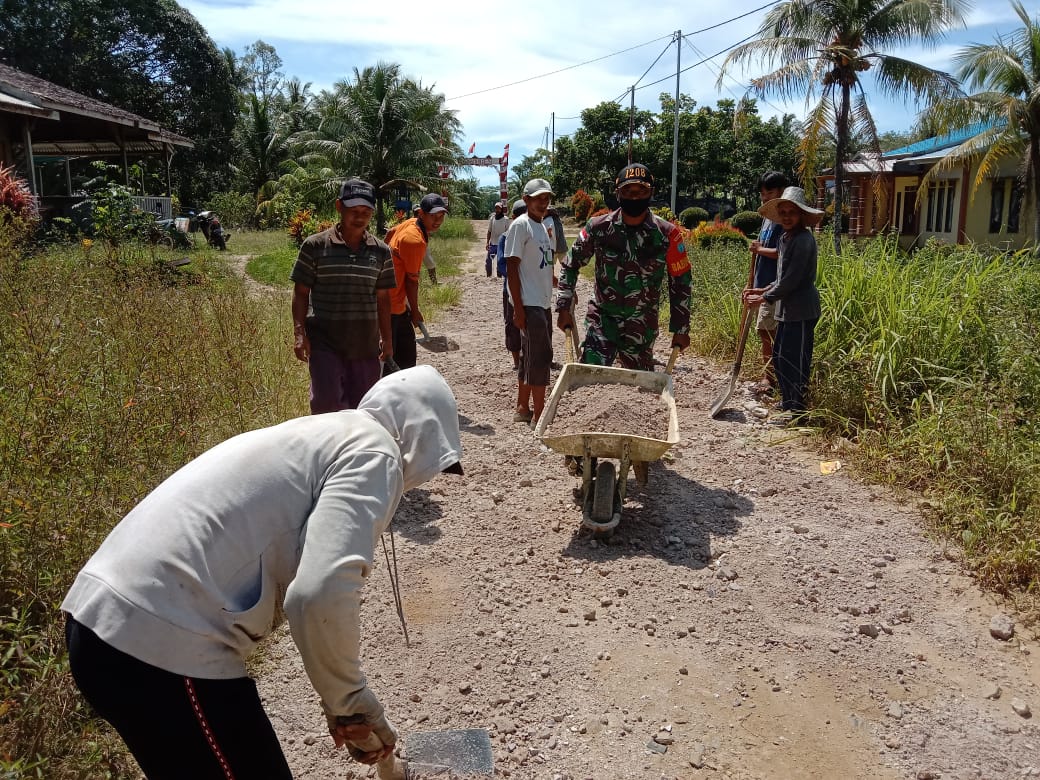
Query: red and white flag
{"x": 505, "y": 157}
{"x": 472, "y": 146}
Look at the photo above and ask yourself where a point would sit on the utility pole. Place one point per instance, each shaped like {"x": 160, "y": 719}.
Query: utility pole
{"x": 631, "y": 121}
{"x": 675, "y": 130}
{"x": 552, "y": 149}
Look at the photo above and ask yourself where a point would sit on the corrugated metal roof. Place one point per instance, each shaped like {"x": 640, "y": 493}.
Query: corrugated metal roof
{"x": 102, "y": 148}
{"x": 936, "y": 143}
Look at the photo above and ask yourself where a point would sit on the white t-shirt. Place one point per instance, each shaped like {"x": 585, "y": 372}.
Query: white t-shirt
{"x": 529, "y": 241}
{"x": 497, "y": 227}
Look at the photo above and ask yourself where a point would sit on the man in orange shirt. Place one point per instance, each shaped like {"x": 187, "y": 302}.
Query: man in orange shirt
{"x": 408, "y": 245}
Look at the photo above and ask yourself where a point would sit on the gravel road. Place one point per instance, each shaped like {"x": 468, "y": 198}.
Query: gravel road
{"x": 751, "y": 617}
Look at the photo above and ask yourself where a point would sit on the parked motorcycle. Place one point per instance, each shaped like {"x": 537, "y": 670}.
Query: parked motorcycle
{"x": 171, "y": 233}
{"x": 209, "y": 224}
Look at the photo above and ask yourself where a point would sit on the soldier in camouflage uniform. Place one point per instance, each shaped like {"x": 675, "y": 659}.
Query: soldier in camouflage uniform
{"x": 635, "y": 250}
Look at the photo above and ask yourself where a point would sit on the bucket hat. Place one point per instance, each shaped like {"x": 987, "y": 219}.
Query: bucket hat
{"x": 795, "y": 196}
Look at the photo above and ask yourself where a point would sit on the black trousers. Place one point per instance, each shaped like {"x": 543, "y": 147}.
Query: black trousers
{"x": 402, "y": 333}
{"x": 177, "y": 727}
{"x": 792, "y": 361}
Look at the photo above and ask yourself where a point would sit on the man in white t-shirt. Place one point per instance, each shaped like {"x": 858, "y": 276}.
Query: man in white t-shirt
{"x": 530, "y": 279}
{"x": 498, "y": 224}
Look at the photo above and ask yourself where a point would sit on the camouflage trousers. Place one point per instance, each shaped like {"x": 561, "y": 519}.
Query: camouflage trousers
{"x": 628, "y": 340}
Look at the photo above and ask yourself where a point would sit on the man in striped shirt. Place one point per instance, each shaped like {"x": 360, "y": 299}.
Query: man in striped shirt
{"x": 341, "y": 303}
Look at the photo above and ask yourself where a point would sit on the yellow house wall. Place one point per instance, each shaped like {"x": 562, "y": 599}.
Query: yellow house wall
{"x": 976, "y": 224}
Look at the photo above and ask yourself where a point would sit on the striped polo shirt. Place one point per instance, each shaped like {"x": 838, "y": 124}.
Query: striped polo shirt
{"x": 343, "y": 315}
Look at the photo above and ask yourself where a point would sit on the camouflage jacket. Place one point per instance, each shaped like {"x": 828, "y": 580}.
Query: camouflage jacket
{"x": 631, "y": 264}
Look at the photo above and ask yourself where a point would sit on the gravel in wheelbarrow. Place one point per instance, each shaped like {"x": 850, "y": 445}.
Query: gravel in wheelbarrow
{"x": 611, "y": 408}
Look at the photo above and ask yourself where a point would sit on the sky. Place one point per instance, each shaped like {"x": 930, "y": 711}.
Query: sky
{"x": 462, "y": 47}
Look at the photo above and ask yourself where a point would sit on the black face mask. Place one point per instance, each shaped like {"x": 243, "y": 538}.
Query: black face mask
{"x": 634, "y": 208}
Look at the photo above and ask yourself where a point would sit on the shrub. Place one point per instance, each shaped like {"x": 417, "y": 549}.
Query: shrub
{"x": 598, "y": 202}
{"x": 599, "y": 212}
{"x": 15, "y": 197}
{"x": 113, "y": 216}
{"x": 747, "y": 222}
{"x": 304, "y": 224}
{"x": 713, "y": 234}
{"x": 235, "y": 209}
{"x": 104, "y": 396}
{"x": 664, "y": 213}
{"x": 582, "y": 205}
{"x": 692, "y": 217}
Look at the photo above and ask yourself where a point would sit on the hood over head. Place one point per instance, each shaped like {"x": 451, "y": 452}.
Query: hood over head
{"x": 417, "y": 408}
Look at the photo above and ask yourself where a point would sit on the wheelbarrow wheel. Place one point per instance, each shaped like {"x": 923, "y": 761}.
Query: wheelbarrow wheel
{"x": 603, "y": 495}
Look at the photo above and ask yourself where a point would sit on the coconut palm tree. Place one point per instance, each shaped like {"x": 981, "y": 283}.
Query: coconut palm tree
{"x": 384, "y": 128}
{"x": 830, "y": 46}
{"x": 1006, "y": 109}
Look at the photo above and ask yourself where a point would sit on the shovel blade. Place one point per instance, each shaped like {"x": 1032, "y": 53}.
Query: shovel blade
{"x": 464, "y": 751}
{"x": 437, "y": 344}
{"x": 720, "y": 400}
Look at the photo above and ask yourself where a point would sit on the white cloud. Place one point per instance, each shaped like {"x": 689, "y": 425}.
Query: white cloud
{"x": 471, "y": 46}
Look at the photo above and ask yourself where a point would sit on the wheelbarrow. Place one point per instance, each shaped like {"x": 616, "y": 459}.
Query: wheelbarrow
{"x": 603, "y": 485}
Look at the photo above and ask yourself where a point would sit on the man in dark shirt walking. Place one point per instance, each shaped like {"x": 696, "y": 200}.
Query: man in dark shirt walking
{"x": 341, "y": 303}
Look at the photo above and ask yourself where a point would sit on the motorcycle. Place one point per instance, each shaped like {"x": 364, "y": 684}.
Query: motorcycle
{"x": 169, "y": 233}
{"x": 209, "y": 224}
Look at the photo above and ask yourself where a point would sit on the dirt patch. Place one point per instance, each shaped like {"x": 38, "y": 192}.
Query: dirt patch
{"x": 608, "y": 408}
{"x": 751, "y": 616}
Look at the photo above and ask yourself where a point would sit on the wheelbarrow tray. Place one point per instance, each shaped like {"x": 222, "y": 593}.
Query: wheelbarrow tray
{"x": 608, "y": 445}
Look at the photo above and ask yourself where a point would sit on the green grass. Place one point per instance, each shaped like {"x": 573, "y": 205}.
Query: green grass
{"x": 116, "y": 371}
{"x": 931, "y": 363}
{"x": 276, "y": 253}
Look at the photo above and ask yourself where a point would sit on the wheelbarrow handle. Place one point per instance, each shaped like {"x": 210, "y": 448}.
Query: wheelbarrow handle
{"x": 568, "y": 337}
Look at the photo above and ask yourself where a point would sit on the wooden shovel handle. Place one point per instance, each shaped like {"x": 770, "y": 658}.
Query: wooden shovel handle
{"x": 671, "y": 360}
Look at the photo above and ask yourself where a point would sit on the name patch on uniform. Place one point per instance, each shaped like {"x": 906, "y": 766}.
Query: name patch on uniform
{"x": 678, "y": 262}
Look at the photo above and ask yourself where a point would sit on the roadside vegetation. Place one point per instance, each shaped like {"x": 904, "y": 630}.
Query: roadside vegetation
{"x": 118, "y": 369}
{"x": 276, "y": 253}
{"x": 929, "y": 364}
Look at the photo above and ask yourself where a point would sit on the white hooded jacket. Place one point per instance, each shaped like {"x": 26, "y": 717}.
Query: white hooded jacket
{"x": 195, "y": 575}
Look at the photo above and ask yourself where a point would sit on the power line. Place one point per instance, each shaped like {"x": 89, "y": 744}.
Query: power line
{"x": 735, "y": 18}
{"x": 666, "y": 48}
{"x": 561, "y": 70}
{"x": 706, "y": 59}
{"x": 699, "y": 53}
{"x": 624, "y": 51}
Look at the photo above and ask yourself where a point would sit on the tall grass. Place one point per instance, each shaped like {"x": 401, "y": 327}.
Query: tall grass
{"x": 932, "y": 363}
{"x": 116, "y": 371}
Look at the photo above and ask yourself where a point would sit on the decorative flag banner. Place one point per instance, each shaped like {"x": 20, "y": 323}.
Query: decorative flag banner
{"x": 502, "y": 172}
{"x": 472, "y": 146}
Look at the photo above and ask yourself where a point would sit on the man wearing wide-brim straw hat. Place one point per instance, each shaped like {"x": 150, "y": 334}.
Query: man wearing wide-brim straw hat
{"x": 796, "y": 297}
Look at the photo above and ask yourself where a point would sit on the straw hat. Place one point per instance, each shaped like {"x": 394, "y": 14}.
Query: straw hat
{"x": 795, "y": 196}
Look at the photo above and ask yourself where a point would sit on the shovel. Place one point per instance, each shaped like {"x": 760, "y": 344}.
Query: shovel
{"x": 745, "y": 325}
{"x": 435, "y": 343}
{"x": 460, "y": 751}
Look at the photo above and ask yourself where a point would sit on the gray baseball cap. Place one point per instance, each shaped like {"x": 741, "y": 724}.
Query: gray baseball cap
{"x": 537, "y": 187}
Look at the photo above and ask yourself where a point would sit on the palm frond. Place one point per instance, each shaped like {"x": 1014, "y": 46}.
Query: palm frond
{"x": 897, "y": 77}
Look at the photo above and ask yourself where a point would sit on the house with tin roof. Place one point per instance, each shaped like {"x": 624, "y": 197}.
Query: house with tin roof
{"x": 44, "y": 124}
{"x": 885, "y": 194}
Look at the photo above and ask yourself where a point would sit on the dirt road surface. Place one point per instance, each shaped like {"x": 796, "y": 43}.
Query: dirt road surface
{"x": 750, "y": 618}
